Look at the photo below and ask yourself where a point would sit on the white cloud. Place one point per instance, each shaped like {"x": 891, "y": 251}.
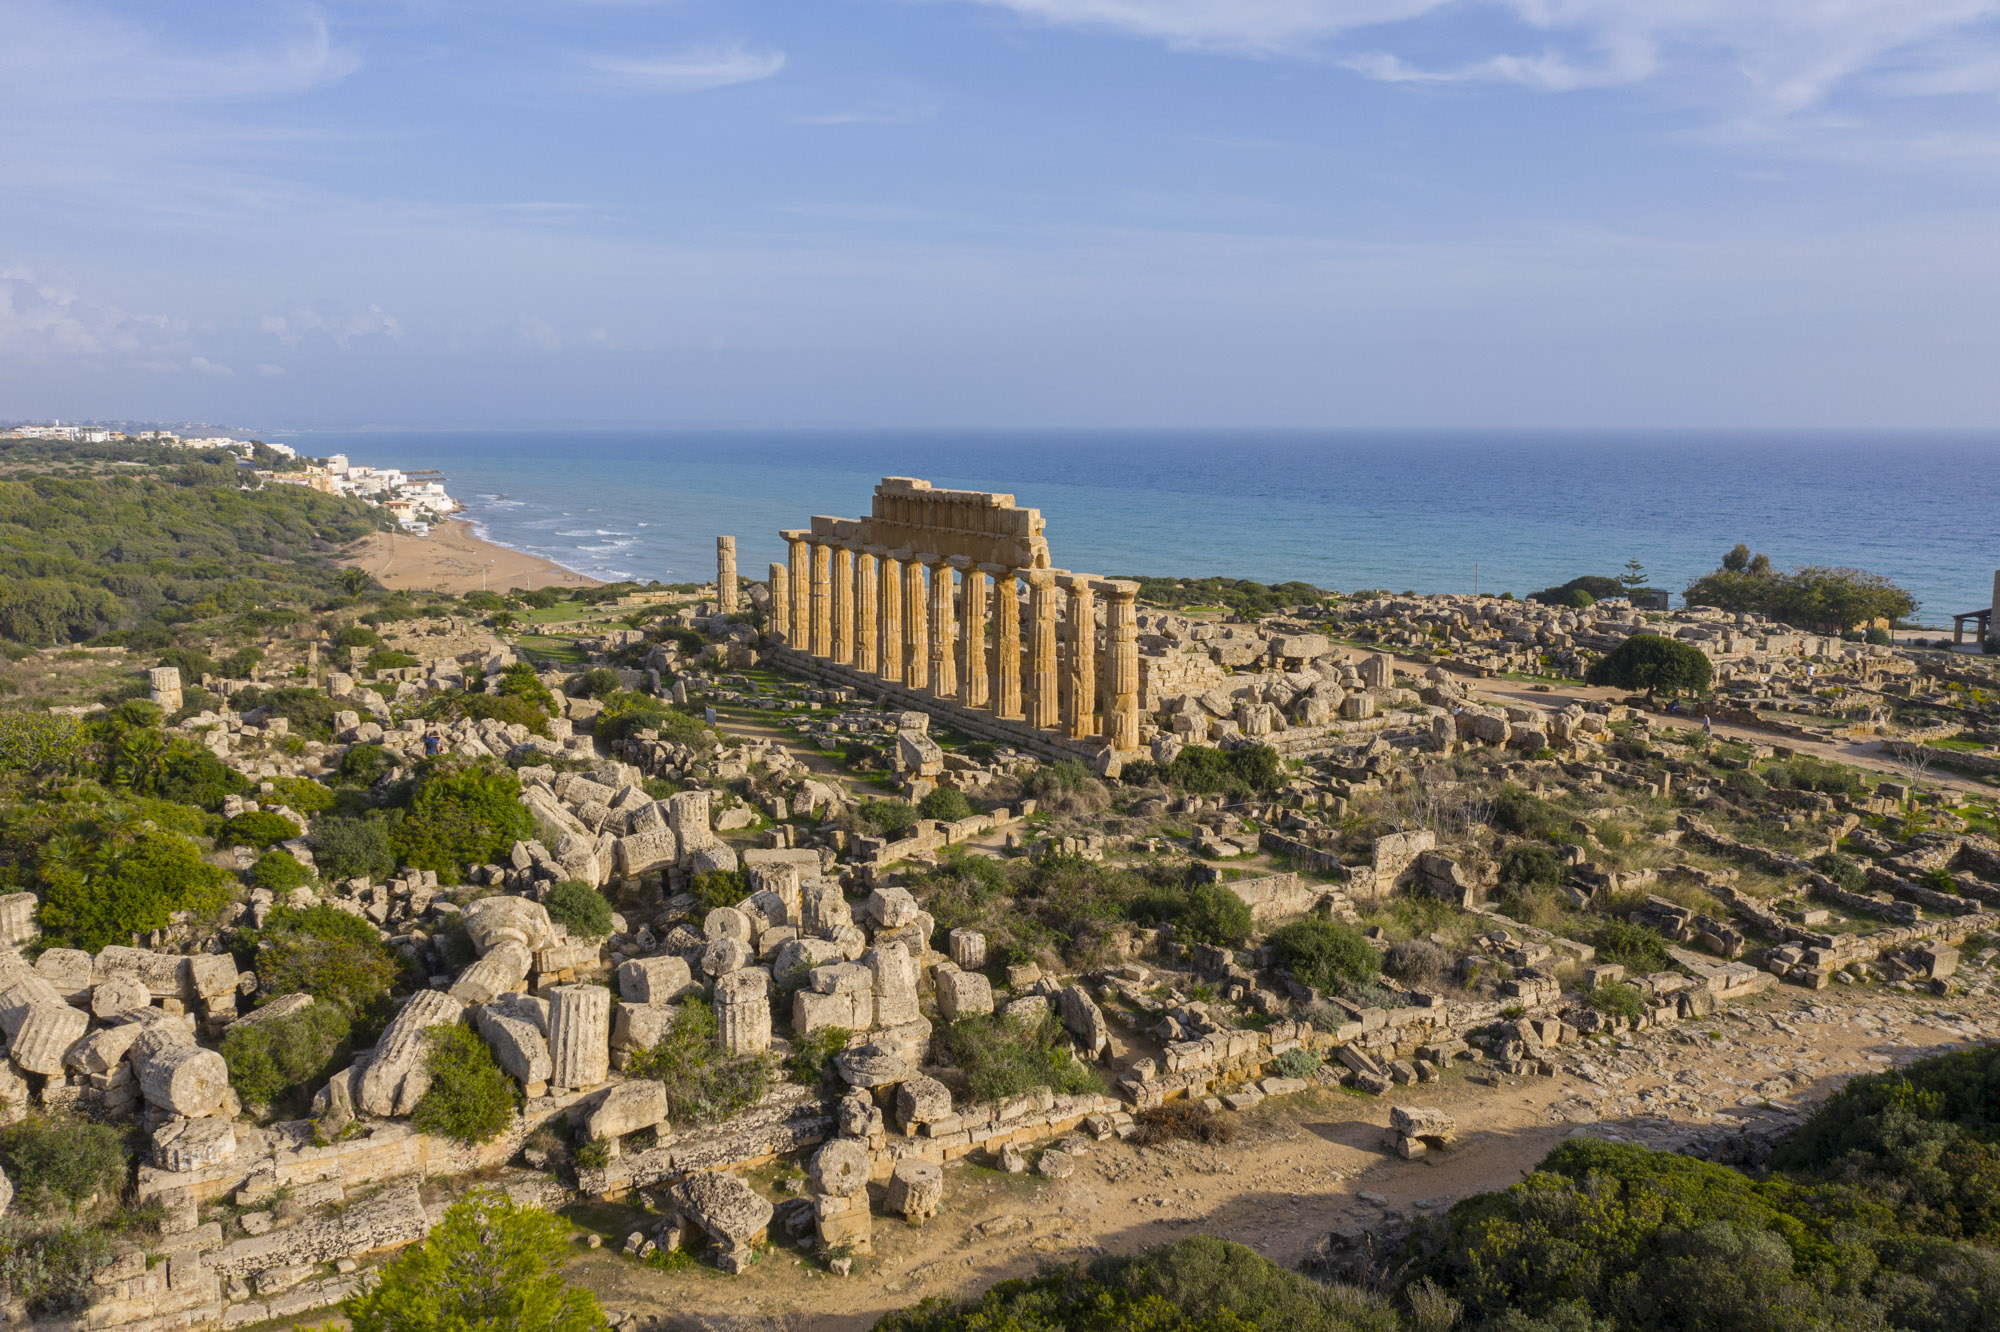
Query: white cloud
{"x": 59, "y": 49}
{"x": 1782, "y": 56}
{"x": 270, "y": 371}
{"x": 44, "y": 319}
{"x": 695, "y": 69}
{"x": 343, "y": 328}
{"x": 208, "y": 367}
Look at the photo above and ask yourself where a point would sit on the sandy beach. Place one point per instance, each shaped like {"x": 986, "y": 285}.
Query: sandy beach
{"x": 452, "y": 559}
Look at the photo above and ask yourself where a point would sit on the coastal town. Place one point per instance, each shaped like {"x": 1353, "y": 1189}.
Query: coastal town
{"x": 923, "y": 910}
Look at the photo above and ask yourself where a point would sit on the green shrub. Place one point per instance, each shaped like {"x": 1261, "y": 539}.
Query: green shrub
{"x": 283, "y": 1060}
{"x": 1745, "y": 783}
{"x": 503, "y": 708}
{"x": 893, "y": 819}
{"x": 1298, "y": 1063}
{"x": 280, "y": 872}
{"x": 1519, "y": 811}
{"x": 1843, "y": 870}
{"x": 1806, "y": 773}
{"x": 1003, "y": 1056}
{"x": 388, "y": 659}
{"x": 353, "y": 848}
{"x": 1532, "y": 865}
{"x": 703, "y": 1085}
{"x": 461, "y": 816}
{"x": 1617, "y": 999}
{"x": 53, "y": 1269}
{"x": 62, "y": 1161}
{"x": 115, "y": 891}
{"x": 812, "y": 1053}
{"x": 1637, "y": 948}
{"x": 1253, "y": 769}
{"x": 303, "y": 795}
{"x": 471, "y": 1099}
{"x": 310, "y": 711}
{"x": 1327, "y": 956}
{"x": 361, "y": 765}
{"x": 188, "y": 774}
{"x": 1653, "y": 662}
{"x": 32, "y": 743}
{"x": 256, "y": 828}
{"x": 945, "y": 804}
{"x": 1207, "y": 913}
{"x": 335, "y": 957}
{"x": 1417, "y": 962}
{"x": 596, "y": 682}
{"x": 357, "y": 635}
{"x": 718, "y": 888}
{"x": 579, "y": 906}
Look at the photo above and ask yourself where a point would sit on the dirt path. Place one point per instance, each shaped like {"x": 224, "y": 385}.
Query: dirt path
{"x": 1312, "y": 1163}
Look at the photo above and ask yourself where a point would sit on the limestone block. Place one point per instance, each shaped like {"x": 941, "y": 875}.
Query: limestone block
{"x": 968, "y": 948}
{"x": 503, "y": 968}
{"x": 1084, "y": 1019}
{"x": 687, "y": 814}
{"x": 213, "y": 976}
{"x": 727, "y": 923}
{"x": 872, "y": 1065}
{"x": 1422, "y": 1122}
{"x": 916, "y": 1189}
{"x": 840, "y": 1169}
{"x": 654, "y": 980}
{"x": 17, "y": 918}
{"x": 641, "y": 1026}
{"x": 922, "y": 1100}
{"x": 579, "y": 1035}
{"x": 720, "y": 957}
{"x": 627, "y": 1108}
{"x": 184, "y": 1079}
{"x": 728, "y": 1211}
{"x": 894, "y": 983}
{"x": 576, "y": 856}
{"x": 6, "y": 1193}
{"x": 69, "y": 970}
{"x": 45, "y": 1036}
{"x": 396, "y": 1079}
{"x": 743, "y": 1011}
{"x": 193, "y": 1144}
{"x": 802, "y": 955}
{"x": 918, "y": 755}
{"x": 892, "y": 907}
{"x": 491, "y": 920}
{"x": 517, "y": 1046}
{"x": 822, "y": 906}
{"x": 851, "y": 1011}
{"x": 21, "y": 995}
{"x": 714, "y": 856}
{"x": 165, "y": 975}
{"x": 963, "y": 994}
{"x": 646, "y": 852}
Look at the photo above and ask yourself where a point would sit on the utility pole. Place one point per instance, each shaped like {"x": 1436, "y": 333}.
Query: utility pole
{"x": 1475, "y": 578}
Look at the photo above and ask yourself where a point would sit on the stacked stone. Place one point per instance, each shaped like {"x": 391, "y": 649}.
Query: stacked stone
{"x": 780, "y": 624}
{"x": 579, "y": 1036}
{"x": 839, "y": 1176}
{"x": 165, "y": 685}
{"x": 725, "y": 574}
{"x": 743, "y": 1011}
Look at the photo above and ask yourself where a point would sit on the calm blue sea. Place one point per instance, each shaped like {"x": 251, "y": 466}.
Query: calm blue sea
{"x": 1427, "y": 511}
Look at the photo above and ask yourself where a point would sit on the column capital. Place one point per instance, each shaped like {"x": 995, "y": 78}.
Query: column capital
{"x": 962, "y": 563}
{"x": 903, "y": 556}
{"x": 998, "y": 570}
{"x": 1121, "y": 588}
{"x": 1072, "y": 582}
{"x": 1039, "y": 577}
{"x": 877, "y": 551}
{"x": 796, "y": 534}
{"x": 930, "y": 559}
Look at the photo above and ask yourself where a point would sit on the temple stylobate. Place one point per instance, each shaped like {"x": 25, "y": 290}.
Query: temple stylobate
{"x": 947, "y": 597}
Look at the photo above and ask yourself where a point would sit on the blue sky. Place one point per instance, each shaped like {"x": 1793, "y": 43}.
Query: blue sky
{"x": 1003, "y": 212}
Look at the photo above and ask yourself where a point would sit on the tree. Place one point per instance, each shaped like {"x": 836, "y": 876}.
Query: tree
{"x": 461, "y": 816}
{"x": 490, "y": 1264}
{"x": 1633, "y": 580}
{"x": 470, "y": 1099}
{"x": 582, "y": 908}
{"x": 1737, "y": 559}
{"x": 1326, "y": 956}
{"x": 1652, "y": 662}
{"x": 335, "y": 957}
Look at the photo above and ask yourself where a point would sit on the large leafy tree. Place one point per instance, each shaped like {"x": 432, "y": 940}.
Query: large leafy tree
{"x": 490, "y": 1265}
{"x": 1652, "y": 662}
{"x": 1813, "y": 597}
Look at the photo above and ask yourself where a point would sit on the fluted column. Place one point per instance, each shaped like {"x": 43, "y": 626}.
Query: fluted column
{"x": 1006, "y": 642}
{"x": 1079, "y": 679}
{"x": 725, "y": 574}
{"x": 1042, "y": 692}
{"x": 972, "y": 678}
{"x": 916, "y": 633}
{"x": 944, "y": 631}
{"x": 867, "y": 626}
{"x": 1121, "y": 642}
{"x": 801, "y": 554}
{"x": 843, "y": 606}
{"x": 889, "y": 635}
{"x": 579, "y": 1036}
{"x": 779, "y": 625}
{"x": 822, "y": 599}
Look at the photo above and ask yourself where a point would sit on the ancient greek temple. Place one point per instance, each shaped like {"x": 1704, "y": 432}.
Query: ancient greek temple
{"x": 946, "y": 600}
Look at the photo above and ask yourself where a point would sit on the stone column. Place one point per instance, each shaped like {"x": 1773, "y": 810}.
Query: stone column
{"x": 1079, "y": 679}
{"x": 1006, "y": 642}
{"x": 889, "y": 633}
{"x": 1121, "y": 685}
{"x": 867, "y": 616}
{"x": 916, "y": 634}
{"x": 843, "y": 606}
{"x": 1042, "y": 692}
{"x": 972, "y": 677}
{"x": 801, "y": 581}
{"x": 779, "y": 625}
{"x": 822, "y": 599}
{"x": 944, "y": 630}
{"x": 725, "y": 574}
{"x": 579, "y": 1036}
{"x": 743, "y": 1011}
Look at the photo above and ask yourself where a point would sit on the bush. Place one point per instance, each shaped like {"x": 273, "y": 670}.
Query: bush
{"x": 283, "y": 1060}
{"x": 188, "y": 774}
{"x": 256, "y": 828}
{"x": 1254, "y": 769}
{"x": 703, "y": 1086}
{"x": 1805, "y": 773}
{"x": 62, "y": 1161}
{"x": 945, "y": 804}
{"x": 302, "y": 795}
{"x": 32, "y": 743}
{"x": 388, "y": 659}
{"x": 357, "y": 635}
{"x": 118, "y": 892}
{"x": 597, "y": 682}
{"x": 337, "y": 958}
{"x": 812, "y": 1053}
{"x": 1214, "y": 915}
{"x": 1745, "y": 783}
{"x": 461, "y": 816}
{"x": 471, "y": 1099}
{"x": 52, "y": 1270}
{"x": 893, "y": 819}
{"x": 503, "y": 708}
{"x": 1519, "y": 811}
{"x": 310, "y": 711}
{"x": 1417, "y": 962}
{"x": 279, "y": 872}
{"x": 1531, "y": 865}
{"x": 1186, "y": 1120}
{"x": 1296, "y": 1063}
{"x": 1652, "y": 662}
{"x": 361, "y": 765}
{"x": 353, "y": 848}
{"x": 719, "y": 888}
{"x": 1843, "y": 870}
{"x": 579, "y": 906}
{"x": 491, "y": 1263}
{"x": 1326, "y": 956}
{"x": 1634, "y": 947}
{"x": 1618, "y": 999}
{"x": 1003, "y": 1056}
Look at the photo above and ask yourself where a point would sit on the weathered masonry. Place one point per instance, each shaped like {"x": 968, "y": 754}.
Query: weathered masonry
{"x": 945, "y": 600}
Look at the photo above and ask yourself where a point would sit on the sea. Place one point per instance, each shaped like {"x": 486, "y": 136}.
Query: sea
{"x": 1423, "y": 511}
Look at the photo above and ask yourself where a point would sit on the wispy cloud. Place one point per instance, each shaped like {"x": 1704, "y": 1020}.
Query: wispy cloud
{"x": 62, "y": 49}
{"x": 208, "y": 367}
{"x": 693, "y": 69}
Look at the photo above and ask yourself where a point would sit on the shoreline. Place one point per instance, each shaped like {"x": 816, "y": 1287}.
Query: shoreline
{"x": 452, "y": 559}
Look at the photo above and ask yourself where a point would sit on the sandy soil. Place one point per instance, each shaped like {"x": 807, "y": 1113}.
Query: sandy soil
{"x": 452, "y": 559}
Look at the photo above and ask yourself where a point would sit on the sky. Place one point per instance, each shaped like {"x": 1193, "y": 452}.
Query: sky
{"x": 1014, "y": 213}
